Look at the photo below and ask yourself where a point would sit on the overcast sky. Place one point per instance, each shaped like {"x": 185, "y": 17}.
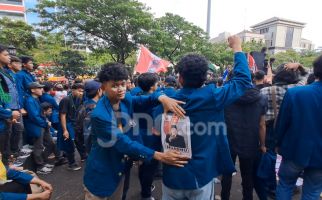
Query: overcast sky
{"x": 235, "y": 15}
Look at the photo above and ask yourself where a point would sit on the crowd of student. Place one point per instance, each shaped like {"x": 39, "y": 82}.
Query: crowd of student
{"x": 264, "y": 114}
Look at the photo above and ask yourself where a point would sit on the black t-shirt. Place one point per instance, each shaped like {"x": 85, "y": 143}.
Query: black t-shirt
{"x": 69, "y": 106}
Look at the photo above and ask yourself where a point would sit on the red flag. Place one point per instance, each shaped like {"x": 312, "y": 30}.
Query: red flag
{"x": 148, "y": 62}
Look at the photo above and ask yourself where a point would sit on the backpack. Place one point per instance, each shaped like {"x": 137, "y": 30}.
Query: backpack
{"x": 83, "y": 120}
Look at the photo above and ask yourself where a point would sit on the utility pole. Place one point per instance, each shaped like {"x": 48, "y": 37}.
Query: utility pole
{"x": 208, "y": 17}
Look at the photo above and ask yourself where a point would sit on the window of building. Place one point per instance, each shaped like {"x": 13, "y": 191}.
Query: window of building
{"x": 264, "y": 30}
{"x": 289, "y": 37}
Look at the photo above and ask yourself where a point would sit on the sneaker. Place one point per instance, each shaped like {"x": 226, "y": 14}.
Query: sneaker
{"x": 23, "y": 155}
{"x": 44, "y": 170}
{"x": 74, "y": 167}
{"x": 61, "y": 161}
{"x": 152, "y": 188}
{"x": 148, "y": 198}
{"x": 50, "y": 166}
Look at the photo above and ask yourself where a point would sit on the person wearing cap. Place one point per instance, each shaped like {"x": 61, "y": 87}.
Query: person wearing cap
{"x": 15, "y": 66}
{"x": 170, "y": 84}
{"x": 93, "y": 93}
{"x": 36, "y": 126}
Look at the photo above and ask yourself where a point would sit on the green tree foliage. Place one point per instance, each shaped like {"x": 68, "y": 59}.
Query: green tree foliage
{"x": 18, "y": 34}
{"x": 172, "y": 36}
{"x": 306, "y": 58}
{"x": 115, "y": 26}
{"x": 73, "y": 62}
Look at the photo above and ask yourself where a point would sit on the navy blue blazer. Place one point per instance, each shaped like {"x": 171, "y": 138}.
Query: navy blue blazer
{"x": 105, "y": 163}
{"x": 34, "y": 122}
{"x": 210, "y": 149}
{"x": 299, "y": 126}
{"x": 23, "y": 79}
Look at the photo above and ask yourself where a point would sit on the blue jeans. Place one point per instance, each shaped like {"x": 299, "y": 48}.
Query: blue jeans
{"x": 207, "y": 192}
{"x": 288, "y": 174}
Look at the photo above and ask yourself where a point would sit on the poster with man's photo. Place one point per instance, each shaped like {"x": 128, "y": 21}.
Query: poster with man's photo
{"x": 175, "y": 134}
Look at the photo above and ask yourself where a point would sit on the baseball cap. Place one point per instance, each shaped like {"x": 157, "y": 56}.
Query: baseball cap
{"x": 35, "y": 85}
{"x": 92, "y": 85}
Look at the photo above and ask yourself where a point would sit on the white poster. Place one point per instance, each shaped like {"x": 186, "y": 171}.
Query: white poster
{"x": 175, "y": 134}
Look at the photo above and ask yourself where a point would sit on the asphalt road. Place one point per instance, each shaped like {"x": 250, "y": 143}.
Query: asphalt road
{"x": 69, "y": 185}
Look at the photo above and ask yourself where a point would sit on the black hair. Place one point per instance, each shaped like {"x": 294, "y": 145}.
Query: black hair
{"x": 25, "y": 59}
{"x": 264, "y": 49}
{"x": 220, "y": 82}
{"x": 47, "y": 86}
{"x": 284, "y": 76}
{"x": 310, "y": 79}
{"x": 147, "y": 80}
{"x": 91, "y": 94}
{"x": 113, "y": 72}
{"x": 14, "y": 59}
{"x": 193, "y": 69}
{"x": 45, "y": 106}
{"x": 259, "y": 75}
{"x": 77, "y": 86}
{"x": 317, "y": 68}
{"x": 78, "y": 80}
{"x": 3, "y": 48}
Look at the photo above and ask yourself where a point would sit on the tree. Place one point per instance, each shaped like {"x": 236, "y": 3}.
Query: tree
{"x": 49, "y": 48}
{"x": 115, "y": 26}
{"x": 306, "y": 58}
{"x": 172, "y": 36}
{"x": 18, "y": 34}
{"x": 73, "y": 62}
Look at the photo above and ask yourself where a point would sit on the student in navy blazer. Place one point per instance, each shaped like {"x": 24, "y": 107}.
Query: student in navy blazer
{"x": 299, "y": 138}
{"x": 112, "y": 125}
{"x": 24, "y": 78}
{"x": 205, "y": 108}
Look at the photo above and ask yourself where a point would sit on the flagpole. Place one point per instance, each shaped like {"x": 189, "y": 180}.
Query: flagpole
{"x": 208, "y": 17}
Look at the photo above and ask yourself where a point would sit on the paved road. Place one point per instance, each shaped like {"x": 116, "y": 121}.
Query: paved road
{"x": 68, "y": 185}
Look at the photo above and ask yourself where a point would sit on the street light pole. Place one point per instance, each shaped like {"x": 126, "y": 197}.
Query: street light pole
{"x": 208, "y": 17}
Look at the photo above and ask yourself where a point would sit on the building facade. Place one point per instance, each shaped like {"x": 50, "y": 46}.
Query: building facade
{"x": 13, "y": 9}
{"x": 282, "y": 34}
{"x": 248, "y": 36}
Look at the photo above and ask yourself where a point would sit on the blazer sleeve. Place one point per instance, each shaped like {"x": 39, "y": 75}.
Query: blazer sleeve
{"x": 5, "y": 114}
{"x": 284, "y": 119}
{"x": 146, "y": 100}
{"x": 108, "y": 136}
{"x": 12, "y": 196}
{"x": 34, "y": 115}
{"x": 19, "y": 177}
{"x": 236, "y": 87}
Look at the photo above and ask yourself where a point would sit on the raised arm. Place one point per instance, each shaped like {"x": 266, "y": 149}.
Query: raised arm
{"x": 241, "y": 78}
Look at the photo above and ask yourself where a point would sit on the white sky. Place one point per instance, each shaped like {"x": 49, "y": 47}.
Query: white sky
{"x": 235, "y": 15}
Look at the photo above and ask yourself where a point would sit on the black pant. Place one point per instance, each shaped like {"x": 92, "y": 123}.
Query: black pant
{"x": 4, "y": 147}
{"x": 16, "y": 132}
{"x": 127, "y": 177}
{"x": 14, "y": 187}
{"x": 80, "y": 143}
{"x": 43, "y": 147}
{"x": 248, "y": 172}
{"x": 147, "y": 172}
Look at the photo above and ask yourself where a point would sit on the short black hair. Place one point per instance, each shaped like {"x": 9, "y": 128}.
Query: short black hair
{"x": 310, "y": 79}
{"x": 3, "y": 48}
{"x": 25, "y": 59}
{"x": 317, "y": 68}
{"x": 48, "y": 86}
{"x": 147, "y": 80}
{"x": 77, "y": 86}
{"x": 91, "y": 94}
{"x": 259, "y": 75}
{"x": 285, "y": 76}
{"x": 193, "y": 69}
{"x": 45, "y": 106}
{"x": 14, "y": 59}
{"x": 113, "y": 72}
